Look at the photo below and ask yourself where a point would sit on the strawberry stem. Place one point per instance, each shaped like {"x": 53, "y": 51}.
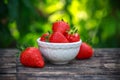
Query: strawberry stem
{"x": 20, "y": 48}
{"x": 49, "y": 32}
{"x": 47, "y": 38}
{"x": 73, "y": 30}
{"x": 76, "y": 30}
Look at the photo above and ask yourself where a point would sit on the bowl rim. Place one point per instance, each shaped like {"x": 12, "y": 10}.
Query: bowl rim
{"x": 38, "y": 40}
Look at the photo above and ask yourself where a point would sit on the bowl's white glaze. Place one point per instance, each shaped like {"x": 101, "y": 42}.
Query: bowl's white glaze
{"x": 59, "y": 53}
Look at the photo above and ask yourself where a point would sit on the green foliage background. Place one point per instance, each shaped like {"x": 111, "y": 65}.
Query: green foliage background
{"x": 23, "y": 21}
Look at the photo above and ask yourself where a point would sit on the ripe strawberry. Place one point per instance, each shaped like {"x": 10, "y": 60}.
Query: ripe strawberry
{"x": 32, "y": 57}
{"x": 45, "y": 37}
{"x": 85, "y": 52}
{"x": 58, "y": 37}
{"x": 60, "y": 26}
{"x": 73, "y": 37}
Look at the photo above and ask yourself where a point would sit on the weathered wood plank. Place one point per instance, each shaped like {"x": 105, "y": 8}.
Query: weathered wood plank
{"x": 107, "y": 49}
{"x": 70, "y": 76}
{"x": 7, "y": 76}
{"x": 6, "y": 60}
{"x": 8, "y": 64}
{"x": 95, "y": 64}
{"x": 8, "y": 52}
{"x": 104, "y": 65}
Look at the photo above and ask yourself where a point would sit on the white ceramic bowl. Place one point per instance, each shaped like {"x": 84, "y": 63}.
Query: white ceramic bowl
{"x": 59, "y": 53}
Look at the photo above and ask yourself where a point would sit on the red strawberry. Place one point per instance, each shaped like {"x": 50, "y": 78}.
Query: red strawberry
{"x": 45, "y": 37}
{"x": 85, "y": 52}
{"x": 73, "y": 37}
{"x": 60, "y": 26}
{"x": 32, "y": 57}
{"x": 58, "y": 37}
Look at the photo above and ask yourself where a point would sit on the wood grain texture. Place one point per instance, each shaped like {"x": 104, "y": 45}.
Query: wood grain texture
{"x": 104, "y": 65}
{"x": 8, "y": 64}
{"x": 8, "y": 76}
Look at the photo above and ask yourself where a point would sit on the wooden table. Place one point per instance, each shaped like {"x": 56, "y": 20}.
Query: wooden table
{"x": 104, "y": 65}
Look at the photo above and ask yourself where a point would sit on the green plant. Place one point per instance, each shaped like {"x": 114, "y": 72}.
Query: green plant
{"x": 23, "y": 21}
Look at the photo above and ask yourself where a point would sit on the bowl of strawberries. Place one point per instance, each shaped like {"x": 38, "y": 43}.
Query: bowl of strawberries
{"x": 62, "y": 45}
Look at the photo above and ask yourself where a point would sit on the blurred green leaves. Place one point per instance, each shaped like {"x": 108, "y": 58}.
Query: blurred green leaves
{"x": 23, "y": 21}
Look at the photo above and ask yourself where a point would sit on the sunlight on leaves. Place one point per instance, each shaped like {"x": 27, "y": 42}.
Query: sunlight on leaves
{"x": 14, "y": 31}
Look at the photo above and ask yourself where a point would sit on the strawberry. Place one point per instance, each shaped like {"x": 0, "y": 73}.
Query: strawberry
{"x": 85, "y": 52}
{"x": 60, "y": 26}
{"x": 45, "y": 37}
{"x": 73, "y": 37}
{"x": 32, "y": 57}
{"x": 58, "y": 37}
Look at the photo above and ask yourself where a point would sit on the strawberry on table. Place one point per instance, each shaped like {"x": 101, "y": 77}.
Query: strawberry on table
{"x": 32, "y": 57}
{"x": 85, "y": 52}
{"x": 58, "y": 37}
{"x": 60, "y": 26}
